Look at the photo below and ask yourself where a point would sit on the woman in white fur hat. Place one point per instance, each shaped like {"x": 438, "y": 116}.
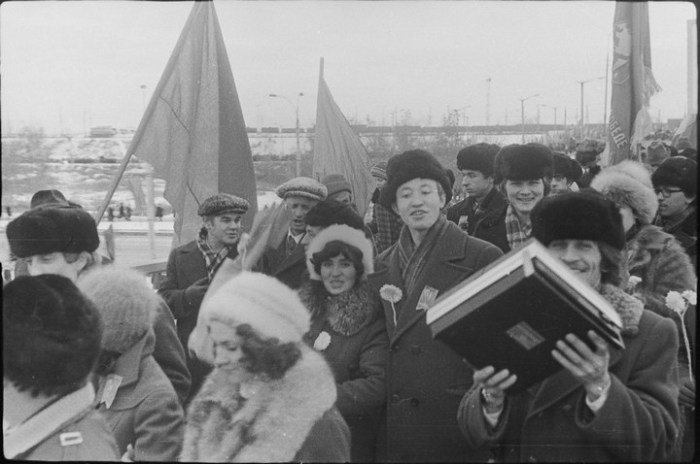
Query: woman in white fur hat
{"x": 270, "y": 398}
{"x": 347, "y": 326}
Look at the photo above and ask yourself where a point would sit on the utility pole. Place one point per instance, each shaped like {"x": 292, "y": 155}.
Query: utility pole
{"x": 522, "y": 115}
{"x": 488, "y": 100}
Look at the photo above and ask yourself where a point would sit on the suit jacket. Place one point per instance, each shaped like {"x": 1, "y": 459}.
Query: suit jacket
{"x": 425, "y": 379}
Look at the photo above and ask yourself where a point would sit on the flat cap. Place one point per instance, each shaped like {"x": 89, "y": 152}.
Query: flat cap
{"x": 222, "y": 203}
{"x": 303, "y": 187}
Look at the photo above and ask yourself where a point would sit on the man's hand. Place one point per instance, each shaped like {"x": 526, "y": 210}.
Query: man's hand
{"x": 588, "y": 367}
{"x": 493, "y": 386}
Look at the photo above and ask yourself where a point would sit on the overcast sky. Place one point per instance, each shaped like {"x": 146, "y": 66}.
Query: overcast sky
{"x": 79, "y": 64}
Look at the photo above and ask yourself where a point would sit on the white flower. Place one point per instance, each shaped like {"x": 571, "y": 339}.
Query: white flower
{"x": 676, "y": 302}
{"x": 322, "y": 341}
{"x": 634, "y": 281}
{"x": 243, "y": 242}
{"x": 390, "y": 293}
{"x": 690, "y": 296}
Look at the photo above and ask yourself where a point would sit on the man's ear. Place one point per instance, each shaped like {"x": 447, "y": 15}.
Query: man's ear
{"x": 82, "y": 261}
{"x": 395, "y": 209}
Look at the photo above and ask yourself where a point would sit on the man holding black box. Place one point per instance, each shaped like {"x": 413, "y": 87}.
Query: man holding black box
{"x": 605, "y": 405}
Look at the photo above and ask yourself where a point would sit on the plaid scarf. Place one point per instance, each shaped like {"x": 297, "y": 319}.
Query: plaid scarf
{"x": 212, "y": 258}
{"x": 388, "y": 227}
{"x": 412, "y": 259}
{"x": 516, "y": 234}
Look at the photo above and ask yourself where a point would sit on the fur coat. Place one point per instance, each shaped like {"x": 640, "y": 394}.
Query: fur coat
{"x": 239, "y": 417}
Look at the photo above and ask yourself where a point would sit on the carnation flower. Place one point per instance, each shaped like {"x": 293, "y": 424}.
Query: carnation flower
{"x": 322, "y": 341}
{"x": 690, "y": 296}
{"x": 676, "y": 302}
{"x": 392, "y": 294}
{"x": 634, "y": 281}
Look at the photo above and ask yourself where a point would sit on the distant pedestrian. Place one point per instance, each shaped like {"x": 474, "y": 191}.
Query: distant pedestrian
{"x": 127, "y": 213}
{"x": 110, "y": 214}
{"x": 9, "y": 211}
{"x": 159, "y": 212}
{"x": 121, "y": 210}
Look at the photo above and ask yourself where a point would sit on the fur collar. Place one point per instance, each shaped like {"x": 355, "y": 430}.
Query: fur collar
{"x": 353, "y": 309}
{"x": 628, "y": 307}
{"x": 243, "y": 418}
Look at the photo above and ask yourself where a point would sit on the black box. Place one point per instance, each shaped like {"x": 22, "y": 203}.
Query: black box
{"x": 511, "y": 313}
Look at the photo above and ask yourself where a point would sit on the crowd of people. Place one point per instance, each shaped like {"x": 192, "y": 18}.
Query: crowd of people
{"x": 319, "y": 351}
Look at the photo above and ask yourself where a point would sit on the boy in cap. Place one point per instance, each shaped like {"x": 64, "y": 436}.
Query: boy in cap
{"x": 338, "y": 188}
{"x": 480, "y": 212}
{"x": 384, "y": 225}
{"x": 64, "y": 240}
{"x": 424, "y": 378}
{"x": 192, "y": 266}
{"x": 566, "y": 171}
{"x": 287, "y": 262}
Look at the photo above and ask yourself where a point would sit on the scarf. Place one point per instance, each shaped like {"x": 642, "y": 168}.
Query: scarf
{"x": 516, "y": 234}
{"x": 412, "y": 259}
{"x": 213, "y": 259}
{"x": 672, "y": 225}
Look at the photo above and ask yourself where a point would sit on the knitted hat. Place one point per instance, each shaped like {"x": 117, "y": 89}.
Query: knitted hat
{"x": 587, "y": 151}
{"x": 336, "y": 183}
{"x": 221, "y": 203}
{"x": 328, "y": 212}
{"x": 48, "y": 197}
{"x": 271, "y": 308}
{"x": 584, "y": 215}
{"x": 303, "y": 187}
{"x": 522, "y": 162}
{"x": 345, "y": 234}
{"x": 409, "y": 165}
{"x": 656, "y": 153}
{"x": 124, "y": 300}
{"x": 379, "y": 170}
{"x": 629, "y": 184}
{"x": 46, "y": 230}
{"x": 565, "y": 166}
{"x": 51, "y": 333}
{"x": 479, "y": 157}
{"x": 677, "y": 171}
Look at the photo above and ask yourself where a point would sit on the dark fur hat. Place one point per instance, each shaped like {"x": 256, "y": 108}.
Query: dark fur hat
{"x": 48, "y": 197}
{"x": 522, "y": 162}
{"x": 584, "y": 215}
{"x": 565, "y": 166}
{"x": 51, "y": 334}
{"x": 409, "y": 165}
{"x": 46, "y": 230}
{"x": 677, "y": 171}
{"x": 328, "y": 212}
{"x": 478, "y": 157}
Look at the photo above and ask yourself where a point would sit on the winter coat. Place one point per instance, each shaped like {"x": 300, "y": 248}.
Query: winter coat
{"x": 425, "y": 379}
{"x": 67, "y": 430}
{"x": 488, "y": 222}
{"x": 550, "y": 421}
{"x": 169, "y": 353}
{"x": 686, "y": 232}
{"x": 356, "y": 354}
{"x": 290, "y": 270}
{"x": 145, "y": 411}
{"x": 263, "y": 420}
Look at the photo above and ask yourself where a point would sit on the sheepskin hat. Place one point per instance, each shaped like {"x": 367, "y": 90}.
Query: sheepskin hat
{"x": 125, "y": 301}
{"x": 271, "y": 308}
{"x": 46, "y": 230}
{"x": 584, "y": 215}
{"x": 379, "y": 170}
{"x": 303, "y": 187}
{"x": 336, "y": 183}
{"x": 629, "y": 184}
{"x": 522, "y": 162}
{"x": 51, "y": 334}
{"x": 678, "y": 171}
{"x": 345, "y": 234}
{"x": 409, "y": 165}
{"x": 328, "y": 212}
{"x": 565, "y": 166}
{"x": 478, "y": 157}
{"x": 656, "y": 153}
{"x": 221, "y": 203}
{"x": 48, "y": 197}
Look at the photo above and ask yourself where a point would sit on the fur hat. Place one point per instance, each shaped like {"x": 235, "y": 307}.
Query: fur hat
{"x": 587, "y": 151}
{"x": 409, "y": 165}
{"x": 656, "y": 153}
{"x": 677, "y": 171}
{"x": 522, "y": 162}
{"x": 564, "y": 166}
{"x": 303, "y": 187}
{"x": 48, "y": 197}
{"x": 336, "y": 183}
{"x": 629, "y": 184}
{"x": 46, "y": 230}
{"x": 271, "y": 308}
{"x": 584, "y": 215}
{"x": 478, "y": 157}
{"x": 127, "y": 304}
{"x": 345, "y": 234}
{"x": 379, "y": 170}
{"x": 51, "y": 333}
{"x": 221, "y": 203}
{"x": 328, "y": 212}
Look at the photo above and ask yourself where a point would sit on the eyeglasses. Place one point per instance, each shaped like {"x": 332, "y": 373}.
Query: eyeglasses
{"x": 666, "y": 192}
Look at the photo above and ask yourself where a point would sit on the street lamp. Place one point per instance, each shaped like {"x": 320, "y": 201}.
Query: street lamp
{"x": 582, "y": 107}
{"x": 555, "y": 108}
{"x": 143, "y": 97}
{"x": 522, "y": 114}
{"x": 300, "y": 94}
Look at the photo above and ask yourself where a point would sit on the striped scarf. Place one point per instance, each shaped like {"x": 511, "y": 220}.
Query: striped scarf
{"x": 516, "y": 234}
{"x": 412, "y": 259}
{"x": 212, "y": 258}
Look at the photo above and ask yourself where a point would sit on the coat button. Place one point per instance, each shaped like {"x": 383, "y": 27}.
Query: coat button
{"x": 568, "y": 410}
{"x": 395, "y": 398}
{"x": 415, "y": 402}
{"x": 532, "y": 459}
{"x": 415, "y": 349}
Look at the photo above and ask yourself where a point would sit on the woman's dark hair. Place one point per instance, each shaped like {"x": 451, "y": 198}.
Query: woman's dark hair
{"x": 610, "y": 264}
{"x": 266, "y": 355}
{"x": 335, "y": 248}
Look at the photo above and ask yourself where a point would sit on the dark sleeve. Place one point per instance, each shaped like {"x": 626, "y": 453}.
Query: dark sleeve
{"x": 169, "y": 352}
{"x": 328, "y": 440}
{"x": 170, "y": 290}
{"x": 473, "y": 424}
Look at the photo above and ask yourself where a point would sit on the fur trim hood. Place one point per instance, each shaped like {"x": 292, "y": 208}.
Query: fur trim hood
{"x": 628, "y": 307}
{"x": 354, "y": 309}
{"x": 345, "y": 234}
{"x": 236, "y": 418}
{"x": 629, "y": 184}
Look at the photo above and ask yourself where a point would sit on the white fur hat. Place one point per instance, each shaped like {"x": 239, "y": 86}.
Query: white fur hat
{"x": 271, "y": 308}
{"x": 629, "y": 184}
{"x": 345, "y": 234}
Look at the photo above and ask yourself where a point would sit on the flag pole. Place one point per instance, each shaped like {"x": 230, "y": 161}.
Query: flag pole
{"x": 113, "y": 187}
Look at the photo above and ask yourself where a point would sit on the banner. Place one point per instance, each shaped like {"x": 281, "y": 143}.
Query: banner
{"x": 193, "y": 132}
{"x": 338, "y": 150}
{"x": 632, "y": 80}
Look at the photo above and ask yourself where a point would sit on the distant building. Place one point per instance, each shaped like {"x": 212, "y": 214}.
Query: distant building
{"x": 102, "y": 131}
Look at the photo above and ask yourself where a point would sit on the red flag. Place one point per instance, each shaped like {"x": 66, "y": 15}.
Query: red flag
{"x": 193, "y": 132}
{"x": 338, "y": 150}
{"x": 632, "y": 80}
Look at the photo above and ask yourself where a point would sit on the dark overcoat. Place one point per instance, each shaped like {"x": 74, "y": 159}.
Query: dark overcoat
{"x": 488, "y": 223}
{"x": 425, "y": 379}
{"x": 290, "y": 270}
